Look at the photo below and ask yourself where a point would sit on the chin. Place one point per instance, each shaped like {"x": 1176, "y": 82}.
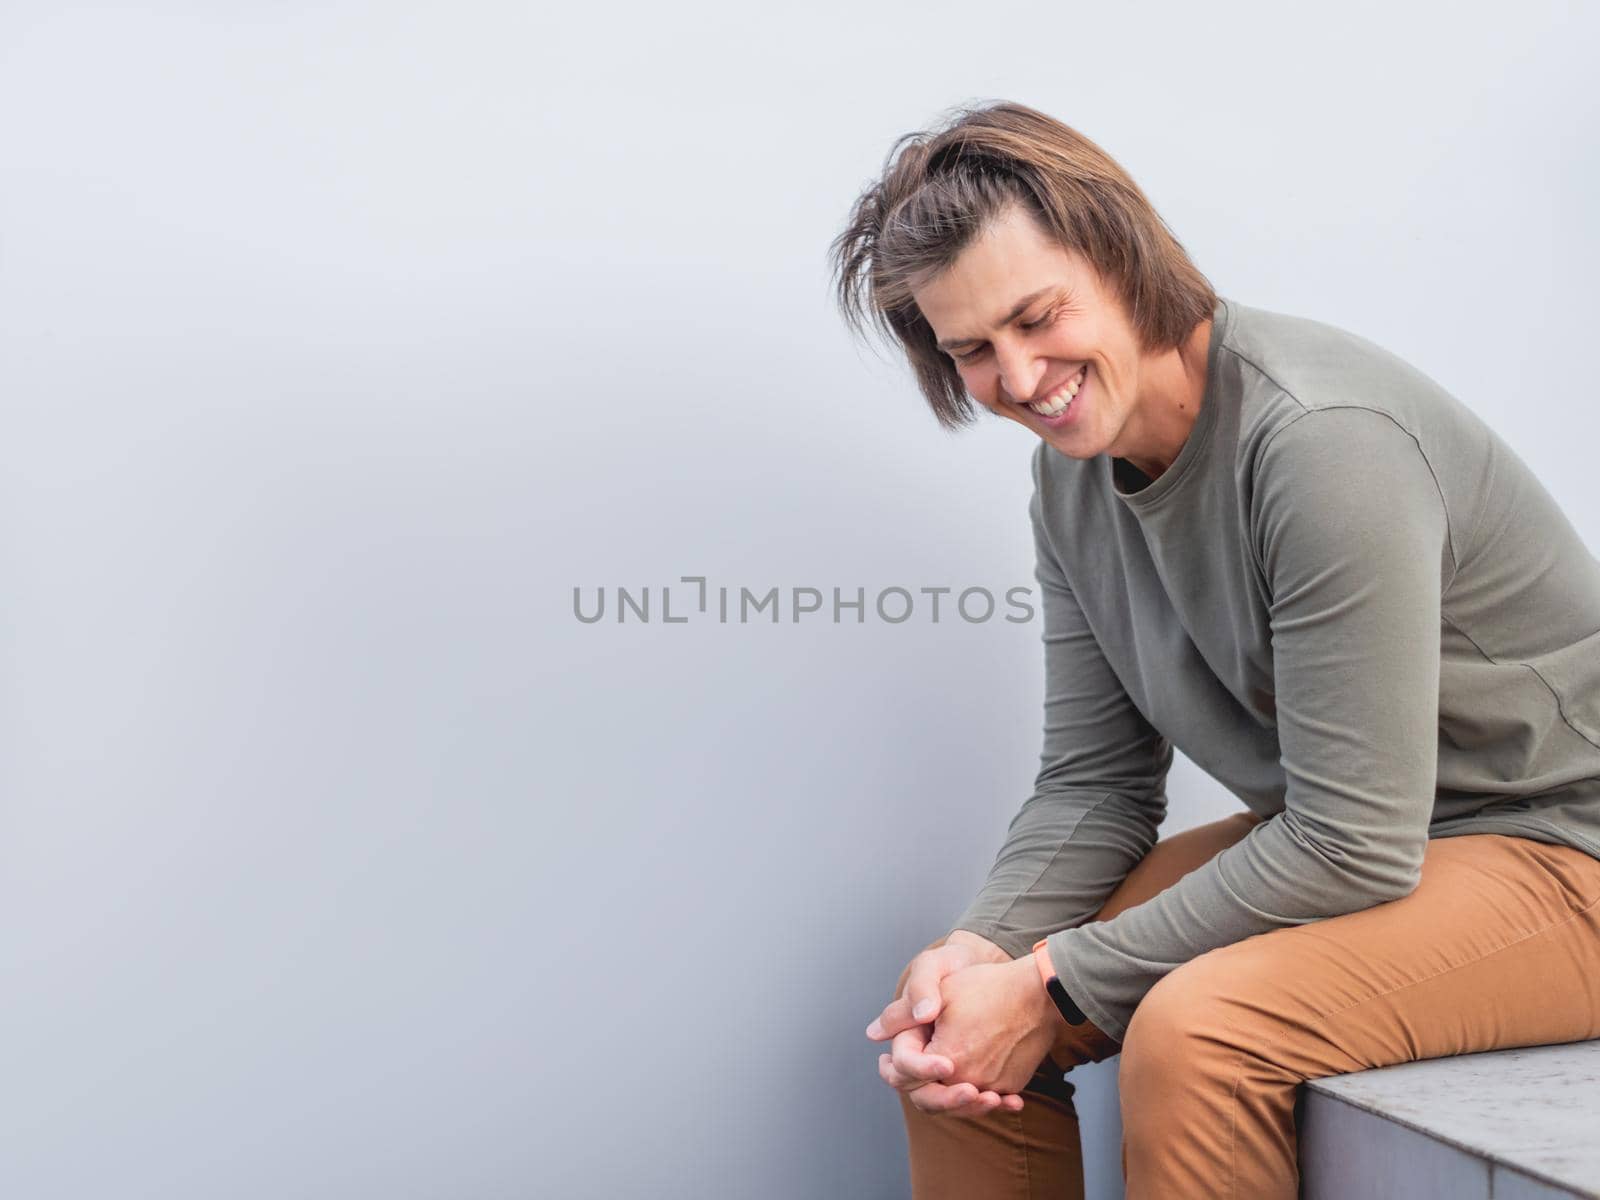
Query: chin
{"x": 1071, "y": 447}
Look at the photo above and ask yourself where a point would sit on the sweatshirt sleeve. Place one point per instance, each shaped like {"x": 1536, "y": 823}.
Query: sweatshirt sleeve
{"x": 1099, "y": 794}
{"x": 1353, "y": 541}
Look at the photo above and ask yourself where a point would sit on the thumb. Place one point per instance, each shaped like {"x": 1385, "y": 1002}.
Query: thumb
{"x": 919, "y": 1001}
{"x": 923, "y": 999}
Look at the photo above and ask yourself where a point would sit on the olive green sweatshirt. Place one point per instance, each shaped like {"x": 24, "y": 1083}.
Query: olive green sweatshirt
{"x": 1348, "y": 601}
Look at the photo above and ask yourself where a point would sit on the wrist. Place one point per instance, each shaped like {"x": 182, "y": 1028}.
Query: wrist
{"x": 986, "y": 950}
{"x": 1055, "y": 991}
{"x": 1045, "y": 1013}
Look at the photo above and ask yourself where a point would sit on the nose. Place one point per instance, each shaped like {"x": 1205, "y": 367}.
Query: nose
{"x": 1020, "y": 371}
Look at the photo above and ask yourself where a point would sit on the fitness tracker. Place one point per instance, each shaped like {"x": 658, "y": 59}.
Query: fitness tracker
{"x": 1053, "y": 985}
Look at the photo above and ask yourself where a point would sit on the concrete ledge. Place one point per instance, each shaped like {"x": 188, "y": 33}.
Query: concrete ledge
{"x": 1505, "y": 1125}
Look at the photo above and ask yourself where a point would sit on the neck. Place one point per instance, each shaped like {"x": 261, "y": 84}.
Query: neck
{"x": 1170, "y": 403}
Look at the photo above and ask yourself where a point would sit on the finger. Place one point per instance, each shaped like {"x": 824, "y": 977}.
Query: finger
{"x": 895, "y": 1078}
{"x": 985, "y": 1104}
{"x": 895, "y": 1017}
{"x": 909, "y": 1051}
{"x": 917, "y": 998}
{"x": 938, "y": 1098}
{"x": 922, "y": 1000}
{"x": 963, "y": 1100}
{"x": 887, "y": 1073}
{"x": 900, "y": 984}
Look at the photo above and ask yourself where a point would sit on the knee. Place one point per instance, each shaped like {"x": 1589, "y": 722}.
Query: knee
{"x": 1182, "y": 1030}
{"x": 1035, "y": 1152}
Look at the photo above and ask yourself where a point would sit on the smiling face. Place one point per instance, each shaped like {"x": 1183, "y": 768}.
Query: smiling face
{"x": 1030, "y": 325}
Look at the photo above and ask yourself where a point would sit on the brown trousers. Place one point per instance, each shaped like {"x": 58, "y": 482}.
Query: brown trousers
{"x": 1498, "y": 946}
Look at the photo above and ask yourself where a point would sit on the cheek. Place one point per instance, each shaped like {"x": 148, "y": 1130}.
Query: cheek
{"x": 980, "y": 386}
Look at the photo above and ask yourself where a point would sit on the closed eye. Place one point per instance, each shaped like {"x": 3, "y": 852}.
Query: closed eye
{"x": 1030, "y": 326}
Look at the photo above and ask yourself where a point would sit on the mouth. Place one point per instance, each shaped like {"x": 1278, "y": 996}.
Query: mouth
{"x": 1062, "y": 405}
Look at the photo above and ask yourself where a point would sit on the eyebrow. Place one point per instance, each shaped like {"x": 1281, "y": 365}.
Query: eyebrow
{"x": 1016, "y": 311}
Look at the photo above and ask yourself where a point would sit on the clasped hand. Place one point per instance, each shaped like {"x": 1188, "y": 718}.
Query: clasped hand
{"x": 968, "y": 1030}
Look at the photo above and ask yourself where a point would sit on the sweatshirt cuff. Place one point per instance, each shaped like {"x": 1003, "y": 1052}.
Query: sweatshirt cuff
{"x": 1059, "y": 946}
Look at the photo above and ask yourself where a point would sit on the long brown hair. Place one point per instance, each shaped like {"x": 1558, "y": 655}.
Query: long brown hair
{"x": 941, "y": 187}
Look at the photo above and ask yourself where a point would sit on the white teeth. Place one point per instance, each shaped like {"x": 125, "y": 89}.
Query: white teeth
{"x": 1064, "y": 397}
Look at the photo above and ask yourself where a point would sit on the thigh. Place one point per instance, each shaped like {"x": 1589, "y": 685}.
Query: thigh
{"x": 1171, "y": 858}
{"x": 1498, "y": 946}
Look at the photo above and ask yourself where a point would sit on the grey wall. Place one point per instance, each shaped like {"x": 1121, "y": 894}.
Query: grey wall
{"x": 339, "y": 343}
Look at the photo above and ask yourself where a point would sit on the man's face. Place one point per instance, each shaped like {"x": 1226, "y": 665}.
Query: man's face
{"x": 1072, "y": 331}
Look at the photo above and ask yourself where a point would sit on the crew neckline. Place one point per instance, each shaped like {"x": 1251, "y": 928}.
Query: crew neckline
{"x": 1199, "y": 435}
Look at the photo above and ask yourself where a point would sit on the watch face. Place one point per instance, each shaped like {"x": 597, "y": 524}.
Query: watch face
{"x": 1069, "y": 1010}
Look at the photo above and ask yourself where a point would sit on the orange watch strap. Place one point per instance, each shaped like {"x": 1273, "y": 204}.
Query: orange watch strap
{"x": 1068, "y": 1008}
{"x": 1041, "y": 958}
